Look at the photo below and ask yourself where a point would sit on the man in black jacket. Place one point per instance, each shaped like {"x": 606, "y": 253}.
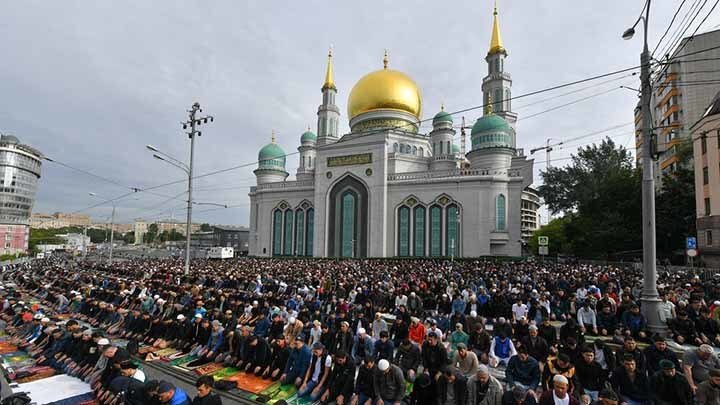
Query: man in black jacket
{"x": 205, "y": 396}
{"x": 259, "y": 355}
{"x": 364, "y": 388}
{"x": 341, "y": 381}
{"x": 667, "y": 387}
{"x": 656, "y": 353}
{"x": 536, "y": 346}
{"x": 434, "y": 356}
{"x": 590, "y": 374}
{"x": 452, "y": 387}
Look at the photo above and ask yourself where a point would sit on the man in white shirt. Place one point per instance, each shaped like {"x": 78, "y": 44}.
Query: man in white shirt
{"x": 519, "y": 310}
{"x": 586, "y": 318}
{"x": 666, "y": 309}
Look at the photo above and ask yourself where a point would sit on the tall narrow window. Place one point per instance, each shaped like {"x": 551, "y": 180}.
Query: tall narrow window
{"x": 277, "y": 233}
{"x": 507, "y": 100}
{"x": 451, "y": 236}
{"x": 498, "y": 100}
{"x": 309, "y": 233}
{"x": 708, "y": 237}
{"x": 706, "y": 175}
{"x": 435, "y": 231}
{"x": 299, "y": 233}
{"x": 348, "y": 241}
{"x": 500, "y": 213}
{"x": 288, "y": 242}
{"x": 403, "y": 231}
{"x": 419, "y": 231}
{"x": 396, "y": 148}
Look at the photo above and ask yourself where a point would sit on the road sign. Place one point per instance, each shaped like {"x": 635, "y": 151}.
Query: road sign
{"x": 691, "y": 252}
{"x": 543, "y": 250}
{"x": 691, "y": 242}
{"x": 543, "y": 240}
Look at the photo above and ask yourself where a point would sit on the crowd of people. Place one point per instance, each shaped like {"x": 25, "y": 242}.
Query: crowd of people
{"x": 377, "y": 331}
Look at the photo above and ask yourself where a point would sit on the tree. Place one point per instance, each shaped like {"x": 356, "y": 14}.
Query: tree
{"x": 555, "y": 231}
{"x": 129, "y": 237}
{"x": 599, "y": 193}
{"x": 151, "y": 234}
{"x": 675, "y": 212}
{"x": 205, "y": 227}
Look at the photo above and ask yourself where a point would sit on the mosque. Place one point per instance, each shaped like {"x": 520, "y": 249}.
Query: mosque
{"x": 387, "y": 190}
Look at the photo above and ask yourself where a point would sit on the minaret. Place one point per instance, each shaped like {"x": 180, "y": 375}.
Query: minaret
{"x": 496, "y": 85}
{"x": 328, "y": 113}
{"x": 444, "y": 152}
{"x": 306, "y": 169}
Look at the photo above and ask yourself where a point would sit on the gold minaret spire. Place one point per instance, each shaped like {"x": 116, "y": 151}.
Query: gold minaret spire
{"x": 329, "y": 81}
{"x": 489, "y": 106}
{"x": 496, "y": 41}
{"x": 385, "y": 60}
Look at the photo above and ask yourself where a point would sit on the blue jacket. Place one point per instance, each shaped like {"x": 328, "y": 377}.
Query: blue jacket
{"x": 299, "y": 361}
{"x": 179, "y": 398}
{"x": 524, "y": 372}
{"x": 262, "y": 327}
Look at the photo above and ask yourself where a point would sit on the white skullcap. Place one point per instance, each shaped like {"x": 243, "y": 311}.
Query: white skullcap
{"x": 483, "y": 369}
{"x": 706, "y": 348}
{"x": 383, "y": 365}
{"x": 559, "y": 378}
{"x": 361, "y": 331}
{"x": 473, "y": 313}
{"x": 45, "y": 320}
{"x": 291, "y": 320}
{"x": 198, "y": 315}
{"x": 156, "y": 296}
{"x": 180, "y": 317}
{"x": 103, "y": 342}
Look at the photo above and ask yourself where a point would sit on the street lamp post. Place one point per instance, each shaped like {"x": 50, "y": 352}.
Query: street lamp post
{"x": 650, "y": 297}
{"x": 112, "y": 230}
{"x": 192, "y": 123}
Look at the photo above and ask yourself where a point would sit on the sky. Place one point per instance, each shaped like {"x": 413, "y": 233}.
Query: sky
{"x": 90, "y": 83}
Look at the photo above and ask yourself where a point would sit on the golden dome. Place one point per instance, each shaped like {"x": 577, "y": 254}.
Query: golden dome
{"x": 382, "y": 90}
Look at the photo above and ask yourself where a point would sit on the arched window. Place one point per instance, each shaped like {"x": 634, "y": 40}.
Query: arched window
{"x": 449, "y": 149}
{"x": 498, "y": 100}
{"x": 309, "y": 231}
{"x": 299, "y": 233}
{"x": 435, "y": 149}
{"x": 288, "y": 242}
{"x": 507, "y": 100}
{"x": 348, "y": 215}
{"x": 419, "y": 230}
{"x": 422, "y": 153}
{"x": 396, "y": 147}
{"x": 452, "y": 241}
{"x": 277, "y": 233}
{"x": 435, "y": 230}
{"x": 403, "y": 224}
{"x": 500, "y": 212}
{"x": 415, "y": 150}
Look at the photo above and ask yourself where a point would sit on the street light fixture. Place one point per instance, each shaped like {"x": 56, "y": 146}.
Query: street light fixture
{"x": 192, "y": 122}
{"x": 650, "y": 298}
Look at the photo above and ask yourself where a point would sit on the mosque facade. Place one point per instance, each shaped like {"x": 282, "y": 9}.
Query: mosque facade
{"x": 387, "y": 190}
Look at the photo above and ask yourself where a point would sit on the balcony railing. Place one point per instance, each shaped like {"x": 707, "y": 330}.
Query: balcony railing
{"x": 284, "y": 185}
{"x": 452, "y": 173}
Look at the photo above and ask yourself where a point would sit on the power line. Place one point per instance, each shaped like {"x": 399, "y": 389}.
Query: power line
{"x": 679, "y": 31}
{"x": 698, "y": 26}
{"x": 668, "y": 28}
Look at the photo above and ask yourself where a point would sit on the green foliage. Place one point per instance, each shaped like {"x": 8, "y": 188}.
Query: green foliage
{"x": 205, "y": 227}
{"x": 600, "y": 195}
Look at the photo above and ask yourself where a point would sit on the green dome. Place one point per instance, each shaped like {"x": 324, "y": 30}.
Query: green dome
{"x": 442, "y": 116}
{"x": 455, "y": 148}
{"x": 308, "y": 136}
{"x": 491, "y": 131}
{"x": 271, "y": 156}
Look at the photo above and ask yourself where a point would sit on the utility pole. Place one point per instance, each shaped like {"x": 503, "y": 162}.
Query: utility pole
{"x": 650, "y": 298}
{"x": 547, "y": 148}
{"x": 193, "y": 122}
{"x": 112, "y": 233}
{"x": 84, "y": 243}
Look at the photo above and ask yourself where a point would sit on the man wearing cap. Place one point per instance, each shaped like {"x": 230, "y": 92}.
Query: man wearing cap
{"x": 558, "y": 394}
{"x": 362, "y": 347}
{"x": 682, "y": 329}
{"x": 697, "y": 364}
{"x": 317, "y": 373}
{"x": 169, "y": 394}
{"x": 388, "y": 384}
{"x": 343, "y": 339}
{"x": 341, "y": 381}
{"x": 657, "y": 352}
{"x": 708, "y": 392}
{"x": 465, "y": 361}
{"x": 667, "y": 387}
{"x": 297, "y": 364}
{"x": 484, "y": 389}
{"x": 434, "y": 356}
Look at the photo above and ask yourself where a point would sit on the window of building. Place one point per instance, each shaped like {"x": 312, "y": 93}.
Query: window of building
{"x": 348, "y": 216}
{"x": 419, "y": 230}
{"x": 288, "y": 241}
{"x": 500, "y": 212}
{"x": 277, "y": 233}
{"x": 707, "y": 206}
{"x": 703, "y": 143}
{"x": 435, "y": 231}
{"x": 706, "y": 175}
{"x": 299, "y": 232}
{"x": 507, "y": 100}
{"x": 404, "y": 231}
{"x": 396, "y": 147}
{"x": 421, "y": 152}
{"x": 309, "y": 232}
{"x": 708, "y": 237}
{"x": 452, "y": 231}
